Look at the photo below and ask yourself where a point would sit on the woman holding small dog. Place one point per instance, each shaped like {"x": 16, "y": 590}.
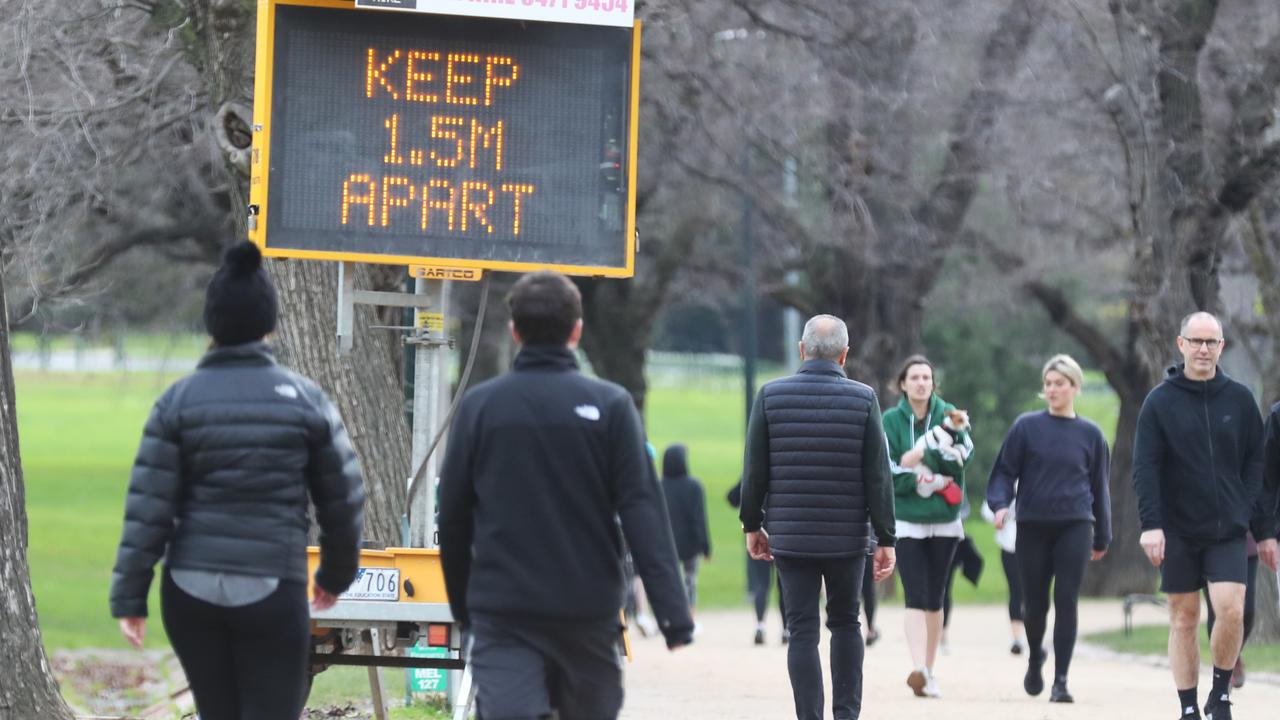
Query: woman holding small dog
{"x": 1059, "y": 464}
{"x": 929, "y": 445}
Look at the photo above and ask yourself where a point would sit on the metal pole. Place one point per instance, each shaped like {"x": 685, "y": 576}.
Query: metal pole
{"x": 749, "y": 341}
{"x": 430, "y": 404}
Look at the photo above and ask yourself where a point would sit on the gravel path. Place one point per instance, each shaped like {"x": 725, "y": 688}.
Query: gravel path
{"x": 723, "y": 676}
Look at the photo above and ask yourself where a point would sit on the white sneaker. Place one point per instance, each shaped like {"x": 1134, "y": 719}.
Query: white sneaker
{"x": 930, "y": 686}
{"x": 648, "y": 626}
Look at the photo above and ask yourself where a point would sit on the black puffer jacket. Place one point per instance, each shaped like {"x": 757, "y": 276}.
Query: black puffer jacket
{"x": 221, "y": 481}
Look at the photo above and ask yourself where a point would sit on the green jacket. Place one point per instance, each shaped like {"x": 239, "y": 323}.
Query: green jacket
{"x": 902, "y": 430}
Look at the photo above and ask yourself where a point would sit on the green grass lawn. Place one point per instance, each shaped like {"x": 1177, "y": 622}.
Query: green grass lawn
{"x": 1154, "y": 640}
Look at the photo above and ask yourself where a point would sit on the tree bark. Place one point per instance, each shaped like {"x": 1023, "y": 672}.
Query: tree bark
{"x": 1266, "y": 619}
{"x": 618, "y": 315}
{"x": 27, "y": 686}
{"x": 365, "y": 384}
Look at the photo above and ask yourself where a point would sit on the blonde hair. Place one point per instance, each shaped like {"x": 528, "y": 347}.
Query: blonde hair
{"x": 1065, "y": 364}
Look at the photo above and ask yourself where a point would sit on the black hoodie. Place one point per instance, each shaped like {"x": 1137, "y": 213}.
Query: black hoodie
{"x": 686, "y": 505}
{"x": 1198, "y": 459}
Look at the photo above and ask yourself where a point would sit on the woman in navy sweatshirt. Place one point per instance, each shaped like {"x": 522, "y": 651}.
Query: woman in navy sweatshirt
{"x": 1057, "y": 464}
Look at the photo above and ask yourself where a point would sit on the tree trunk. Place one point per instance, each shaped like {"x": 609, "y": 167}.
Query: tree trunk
{"x": 1125, "y": 569}
{"x": 1266, "y": 619}
{"x": 27, "y": 685}
{"x": 616, "y": 332}
{"x": 365, "y": 384}
{"x": 496, "y": 348}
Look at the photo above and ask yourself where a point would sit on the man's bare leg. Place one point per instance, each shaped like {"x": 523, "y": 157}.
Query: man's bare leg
{"x": 1228, "y": 627}
{"x": 1184, "y": 649}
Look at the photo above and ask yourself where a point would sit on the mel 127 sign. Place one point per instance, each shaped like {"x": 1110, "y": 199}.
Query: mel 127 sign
{"x": 416, "y": 138}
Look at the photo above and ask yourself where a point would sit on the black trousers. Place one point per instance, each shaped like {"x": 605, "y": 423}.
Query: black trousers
{"x": 526, "y": 670}
{"x": 802, "y": 580}
{"x": 1053, "y": 553}
{"x": 1010, "y": 563}
{"x": 243, "y": 663}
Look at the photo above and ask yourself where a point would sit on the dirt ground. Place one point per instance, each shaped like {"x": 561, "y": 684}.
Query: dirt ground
{"x": 725, "y": 677}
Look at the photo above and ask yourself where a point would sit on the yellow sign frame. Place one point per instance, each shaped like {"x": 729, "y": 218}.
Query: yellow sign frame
{"x": 260, "y": 165}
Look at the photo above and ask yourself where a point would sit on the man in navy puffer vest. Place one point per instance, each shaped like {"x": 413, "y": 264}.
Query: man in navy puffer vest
{"x": 816, "y": 475}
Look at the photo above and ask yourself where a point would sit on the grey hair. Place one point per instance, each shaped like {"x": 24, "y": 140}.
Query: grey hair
{"x": 1182, "y": 327}
{"x": 825, "y": 337}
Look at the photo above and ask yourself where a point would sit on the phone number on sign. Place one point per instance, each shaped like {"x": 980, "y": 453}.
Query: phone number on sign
{"x": 601, "y": 5}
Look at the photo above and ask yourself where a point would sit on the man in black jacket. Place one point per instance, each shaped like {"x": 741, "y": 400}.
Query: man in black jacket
{"x": 817, "y": 468}
{"x": 1198, "y": 474}
{"x": 542, "y": 466}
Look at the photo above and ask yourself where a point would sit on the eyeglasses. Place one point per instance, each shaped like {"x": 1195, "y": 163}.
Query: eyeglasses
{"x": 1208, "y": 343}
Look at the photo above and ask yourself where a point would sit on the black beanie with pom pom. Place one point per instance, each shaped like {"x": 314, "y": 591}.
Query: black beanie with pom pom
{"x": 240, "y": 302}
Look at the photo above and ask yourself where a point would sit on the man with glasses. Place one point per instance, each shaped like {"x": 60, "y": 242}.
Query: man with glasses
{"x": 1198, "y": 473}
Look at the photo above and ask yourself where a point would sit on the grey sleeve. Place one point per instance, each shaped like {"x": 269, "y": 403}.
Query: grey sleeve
{"x": 878, "y": 478}
{"x": 155, "y": 488}
{"x": 337, "y": 491}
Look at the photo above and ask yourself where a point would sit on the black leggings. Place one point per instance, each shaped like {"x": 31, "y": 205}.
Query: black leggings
{"x": 1011, "y": 576}
{"x": 760, "y": 577}
{"x": 925, "y": 567}
{"x": 243, "y": 663}
{"x": 869, "y": 599}
{"x": 1057, "y": 553}
{"x": 1250, "y": 601}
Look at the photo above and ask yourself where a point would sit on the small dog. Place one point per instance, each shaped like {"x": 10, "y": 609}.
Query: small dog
{"x": 950, "y": 440}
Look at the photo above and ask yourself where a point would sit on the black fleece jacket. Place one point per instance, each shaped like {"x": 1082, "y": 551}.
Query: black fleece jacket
{"x": 542, "y": 465}
{"x": 686, "y": 505}
{"x": 1198, "y": 460}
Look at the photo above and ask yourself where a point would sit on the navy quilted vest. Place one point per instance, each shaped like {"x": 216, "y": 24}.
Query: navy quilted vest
{"x": 817, "y": 505}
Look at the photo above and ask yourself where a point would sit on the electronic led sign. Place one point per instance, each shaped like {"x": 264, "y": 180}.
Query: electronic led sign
{"x": 427, "y": 139}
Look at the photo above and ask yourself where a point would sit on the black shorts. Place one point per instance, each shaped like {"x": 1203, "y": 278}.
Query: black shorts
{"x": 529, "y": 670}
{"x": 1189, "y": 563}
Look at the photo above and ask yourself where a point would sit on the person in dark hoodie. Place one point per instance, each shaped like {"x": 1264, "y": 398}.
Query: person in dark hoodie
{"x": 687, "y": 508}
{"x": 1198, "y": 474}
{"x": 542, "y": 466}
{"x": 229, "y": 457}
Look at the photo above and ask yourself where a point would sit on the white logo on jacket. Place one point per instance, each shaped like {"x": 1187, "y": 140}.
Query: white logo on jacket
{"x": 588, "y": 412}
{"x": 288, "y": 391}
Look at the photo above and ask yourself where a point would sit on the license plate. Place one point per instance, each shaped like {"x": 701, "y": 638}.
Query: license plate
{"x": 375, "y": 583}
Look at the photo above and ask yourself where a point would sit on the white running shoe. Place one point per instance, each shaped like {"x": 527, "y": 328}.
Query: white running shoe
{"x": 930, "y": 686}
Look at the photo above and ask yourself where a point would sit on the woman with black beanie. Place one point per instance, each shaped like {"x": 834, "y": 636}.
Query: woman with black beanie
{"x": 229, "y": 458}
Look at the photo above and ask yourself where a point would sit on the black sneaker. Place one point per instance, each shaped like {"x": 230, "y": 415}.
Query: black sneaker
{"x": 759, "y": 636}
{"x": 1033, "y": 682}
{"x": 1059, "y": 694}
{"x": 1219, "y": 709}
